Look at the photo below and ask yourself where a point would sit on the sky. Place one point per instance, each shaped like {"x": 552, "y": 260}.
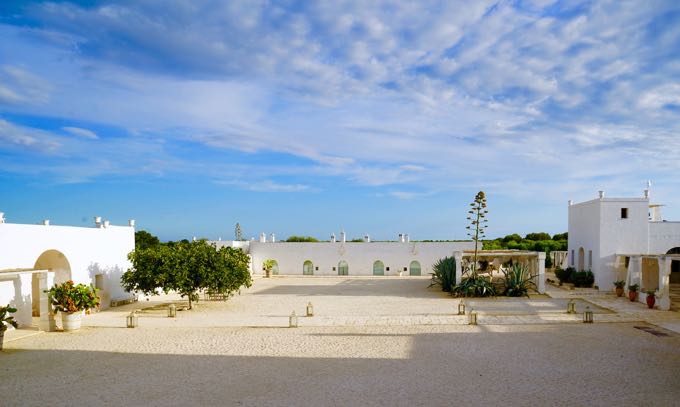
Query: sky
{"x": 310, "y": 118}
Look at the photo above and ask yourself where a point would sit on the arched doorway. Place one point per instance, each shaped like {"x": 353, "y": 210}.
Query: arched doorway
{"x": 675, "y": 267}
{"x": 581, "y": 259}
{"x": 52, "y": 260}
{"x": 343, "y": 268}
{"x": 414, "y": 268}
{"x": 308, "y": 268}
{"x": 378, "y": 268}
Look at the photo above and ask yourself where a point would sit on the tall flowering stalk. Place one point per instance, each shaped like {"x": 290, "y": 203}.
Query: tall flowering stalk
{"x": 477, "y": 218}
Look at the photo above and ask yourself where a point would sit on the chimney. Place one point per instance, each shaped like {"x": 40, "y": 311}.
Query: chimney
{"x": 46, "y": 222}
{"x": 273, "y": 238}
{"x": 343, "y": 237}
{"x": 646, "y": 193}
{"x": 98, "y": 221}
{"x": 332, "y": 237}
{"x": 263, "y": 237}
{"x": 131, "y": 223}
{"x": 367, "y": 238}
{"x": 2, "y": 217}
{"x": 408, "y": 239}
{"x": 106, "y": 223}
{"x": 571, "y": 202}
{"x": 401, "y": 237}
{"x": 601, "y": 194}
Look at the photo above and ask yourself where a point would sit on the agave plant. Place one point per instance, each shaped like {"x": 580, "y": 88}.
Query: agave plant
{"x": 474, "y": 284}
{"x": 518, "y": 281}
{"x": 445, "y": 273}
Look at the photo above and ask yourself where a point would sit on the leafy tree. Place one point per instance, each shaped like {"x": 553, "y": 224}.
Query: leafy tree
{"x": 561, "y": 236}
{"x": 187, "y": 268}
{"x": 144, "y": 240}
{"x": 307, "y": 239}
{"x": 538, "y": 236}
{"x": 512, "y": 238}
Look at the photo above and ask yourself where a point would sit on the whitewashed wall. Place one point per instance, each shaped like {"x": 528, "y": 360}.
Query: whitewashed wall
{"x": 663, "y": 236}
{"x": 72, "y": 252}
{"x": 597, "y": 225}
{"x": 359, "y": 256}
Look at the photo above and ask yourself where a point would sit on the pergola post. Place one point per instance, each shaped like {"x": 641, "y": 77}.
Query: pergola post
{"x": 459, "y": 266}
{"x": 633, "y": 276}
{"x": 664, "y": 263}
{"x": 541, "y": 272}
{"x": 47, "y": 321}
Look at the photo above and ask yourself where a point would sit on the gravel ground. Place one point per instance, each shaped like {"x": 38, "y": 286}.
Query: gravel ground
{"x": 438, "y": 365}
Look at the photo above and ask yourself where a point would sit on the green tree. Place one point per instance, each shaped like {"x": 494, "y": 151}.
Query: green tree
{"x": 561, "y": 236}
{"x": 307, "y": 239}
{"x": 144, "y": 240}
{"x": 512, "y": 238}
{"x": 187, "y": 268}
{"x": 538, "y": 236}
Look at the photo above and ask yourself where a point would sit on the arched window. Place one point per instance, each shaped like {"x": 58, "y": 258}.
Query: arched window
{"x": 343, "y": 268}
{"x": 581, "y": 259}
{"x": 414, "y": 268}
{"x": 308, "y": 268}
{"x": 378, "y": 268}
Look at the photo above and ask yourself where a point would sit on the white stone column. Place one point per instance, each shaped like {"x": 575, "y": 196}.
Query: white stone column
{"x": 634, "y": 271}
{"x": 541, "y": 273}
{"x": 459, "y": 266}
{"x": 664, "y": 263}
{"x": 47, "y": 321}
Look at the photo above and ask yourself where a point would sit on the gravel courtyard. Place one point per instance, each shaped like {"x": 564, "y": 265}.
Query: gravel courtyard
{"x": 179, "y": 362}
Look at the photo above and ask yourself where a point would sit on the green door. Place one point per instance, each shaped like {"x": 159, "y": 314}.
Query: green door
{"x": 343, "y": 268}
{"x": 414, "y": 268}
{"x": 308, "y": 268}
{"x": 378, "y": 268}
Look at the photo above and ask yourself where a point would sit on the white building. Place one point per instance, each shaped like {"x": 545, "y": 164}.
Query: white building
{"x": 34, "y": 257}
{"x": 625, "y": 239}
{"x": 400, "y": 258}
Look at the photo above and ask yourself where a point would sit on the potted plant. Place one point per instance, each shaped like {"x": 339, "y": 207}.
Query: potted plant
{"x": 71, "y": 300}
{"x": 651, "y": 298}
{"x": 268, "y": 265}
{"x": 619, "y": 287}
{"x": 632, "y": 292}
{"x": 6, "y": 321}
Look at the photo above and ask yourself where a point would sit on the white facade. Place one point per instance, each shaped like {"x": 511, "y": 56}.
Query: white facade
{"x": 34, "y": 257}
{"x": 349, "y": 258}
{"x": 604, "y": 233}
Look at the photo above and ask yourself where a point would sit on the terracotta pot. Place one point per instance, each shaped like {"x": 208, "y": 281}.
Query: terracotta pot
{"x": 650, "y": 301}
{"x": 632, "y": 295}
{"x": 619, "y": 291}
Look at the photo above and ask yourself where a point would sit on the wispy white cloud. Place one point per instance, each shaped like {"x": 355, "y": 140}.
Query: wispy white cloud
{"x": 77, "y": 131}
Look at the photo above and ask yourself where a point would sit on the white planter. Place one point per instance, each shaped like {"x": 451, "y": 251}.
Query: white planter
{"x": 71, "y": 321}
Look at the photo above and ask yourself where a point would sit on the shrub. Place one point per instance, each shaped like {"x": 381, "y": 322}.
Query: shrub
{"x": 564, "y": 275}
{"x": 548, "y": 261}
{"x": 475, "y": 285}
{"x": 517, "y": 281}
{"x": 445, "y": 273}
{"x": 619, "y": 284}
{"x": 583, "y": 278}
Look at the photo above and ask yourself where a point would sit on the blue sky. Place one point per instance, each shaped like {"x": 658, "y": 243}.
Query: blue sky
{"x": 312, "y": 117}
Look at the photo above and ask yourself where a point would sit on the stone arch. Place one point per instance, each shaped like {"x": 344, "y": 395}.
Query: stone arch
{"x": 378, "y": 268}
{"x": 52, "y": 260}
{"x": 581, "y": 259}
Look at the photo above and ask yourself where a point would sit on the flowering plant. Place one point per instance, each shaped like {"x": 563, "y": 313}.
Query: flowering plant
{"x": 69, "y": 297}
{"x": 6, "y": 320}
